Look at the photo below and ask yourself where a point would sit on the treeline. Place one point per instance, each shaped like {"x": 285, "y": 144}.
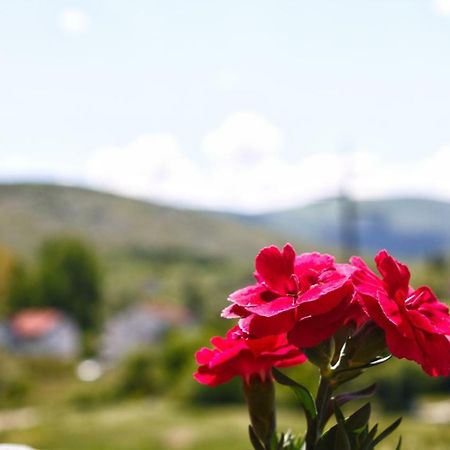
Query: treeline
{"x": 65, "y": 274}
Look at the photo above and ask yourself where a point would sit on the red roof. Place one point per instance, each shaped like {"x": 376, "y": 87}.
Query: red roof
{"x": 33, "y": 323}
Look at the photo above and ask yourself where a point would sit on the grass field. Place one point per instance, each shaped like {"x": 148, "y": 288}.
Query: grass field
{"x": 163, "y": 425}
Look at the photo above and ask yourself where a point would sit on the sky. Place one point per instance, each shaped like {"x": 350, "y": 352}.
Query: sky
{"x": 247, "y": 105}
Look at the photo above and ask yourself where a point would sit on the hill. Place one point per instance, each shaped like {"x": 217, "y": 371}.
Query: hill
{"x": 147, "y": 250}
{"x": 30, "y": 213}
{"x": 407, "y": 227}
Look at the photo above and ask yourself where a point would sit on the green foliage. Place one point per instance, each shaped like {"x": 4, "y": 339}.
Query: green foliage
{"x": 8, "y": 265}
{"x": 69, "y": 279}
{"x": 15, "y": 383}
{"x": 140, "y": 374}
{"x": 340, "y": 361}
{"x": 21, "y": 291}
{"x": 150, "y": 424}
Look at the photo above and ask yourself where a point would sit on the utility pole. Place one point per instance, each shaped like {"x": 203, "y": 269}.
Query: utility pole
{"x": 347, "y": 207}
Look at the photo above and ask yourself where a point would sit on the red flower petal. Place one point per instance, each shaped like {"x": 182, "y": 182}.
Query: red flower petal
{"x": 276, "y": 268}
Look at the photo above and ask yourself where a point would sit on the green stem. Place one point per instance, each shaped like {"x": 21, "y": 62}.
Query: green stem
{"x": 322, "y": 400}
{"x": 260, "y": 398}
{"x": 323, "y": 397}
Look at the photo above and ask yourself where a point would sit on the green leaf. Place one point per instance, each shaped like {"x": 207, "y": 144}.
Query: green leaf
{"x": 359, "y": 419}
{"x": 280, "y": 442}
{"x": 288, "y": 441}
{"x": 367, "y": 444}
{"x": 303, "y": 395}
{"x": 254, "y": 439}
{"x": 327, "y": 439}
{"x": 384, "y": 434}
{"x": 372, "y": 363}
{"x": 344, "y": 375}
{"x": 381, "y": 360}
{"x": 342, "y": 399}
{"x": 338, "y": 413}
{"x": 341, "y": 440}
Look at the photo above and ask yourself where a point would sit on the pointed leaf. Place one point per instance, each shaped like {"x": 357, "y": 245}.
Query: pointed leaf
{"x": 303, "y": 395}
{"x": 327, "y": 440}
{"x": 377, "y": 361}
{"x": 384, "y": 434}
{"x": 338, "y": 413}
{"x": 344, "y": 375}
{"x": 341, "y": 440}
{"x": 277, "y": 443}
{"x": 254, "y": 439}
{"x": 367, "y": 444}
{"x": 372, "y": 363}
{"x": 346, "y": 397}
{"x": 359, "y": 419}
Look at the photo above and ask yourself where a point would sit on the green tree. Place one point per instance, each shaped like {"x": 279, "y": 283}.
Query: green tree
{"x": 16, "y": 290}
{"x": 20, "y": 290}
{"x": 69, "y": 278}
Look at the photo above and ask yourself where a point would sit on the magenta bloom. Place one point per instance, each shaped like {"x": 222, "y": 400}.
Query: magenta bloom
{"x": 416, "y": 324}
{"x": 238, "y": 355}
{"x": 308, "y": 295}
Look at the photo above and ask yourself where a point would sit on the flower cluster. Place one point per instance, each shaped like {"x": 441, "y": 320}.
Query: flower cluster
{"x": 238, "y": 355}
{"x": 298, "y": 301}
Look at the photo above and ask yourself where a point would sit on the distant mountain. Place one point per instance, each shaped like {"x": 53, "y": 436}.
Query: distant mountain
{"x": 32, "y": 212}
{"x": 406, "y": 226}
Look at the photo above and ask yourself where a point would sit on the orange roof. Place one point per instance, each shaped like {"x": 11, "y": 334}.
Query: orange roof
{"x": 32, "y": 323}
{"x": 174, "y": 314}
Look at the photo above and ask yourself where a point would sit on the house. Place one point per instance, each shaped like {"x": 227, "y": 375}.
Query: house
{"x": 140, "y": 325}
{"x": 43, "y": 332}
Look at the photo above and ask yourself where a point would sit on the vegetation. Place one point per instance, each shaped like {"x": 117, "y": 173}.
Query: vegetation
{"x": 153, "y": 424}
{"x": 69, "y": 279}
{"x": 148, "y": 252}
{"x": 145, "y": 249}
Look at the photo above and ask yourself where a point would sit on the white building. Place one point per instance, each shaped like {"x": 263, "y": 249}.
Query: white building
{"x": 139, "y": 326}
{"x": 43, "y": 332}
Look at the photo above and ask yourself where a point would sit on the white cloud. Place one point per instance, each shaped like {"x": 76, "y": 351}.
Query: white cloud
{"x": 244, "y": 138}
{"x": 73, "y": 21}
{"x": 151, "y": 166}
{"x": 442, "y": 7}
{"x": 245, "y": 170}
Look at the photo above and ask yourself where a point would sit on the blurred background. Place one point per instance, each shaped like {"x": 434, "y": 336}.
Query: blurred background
{"x": 148, "y": 149}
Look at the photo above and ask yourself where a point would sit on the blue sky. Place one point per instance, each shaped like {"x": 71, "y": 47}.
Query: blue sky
{"x": 246, "y": 105}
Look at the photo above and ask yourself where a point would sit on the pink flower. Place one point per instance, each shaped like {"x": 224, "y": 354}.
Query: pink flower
{"x": 307, "y": 295}
{"x": 416, "y": 324}
{"x": 238, "y": 355}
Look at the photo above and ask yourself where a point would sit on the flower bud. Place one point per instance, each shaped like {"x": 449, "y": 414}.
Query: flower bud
{"x": 365, "y": 345}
